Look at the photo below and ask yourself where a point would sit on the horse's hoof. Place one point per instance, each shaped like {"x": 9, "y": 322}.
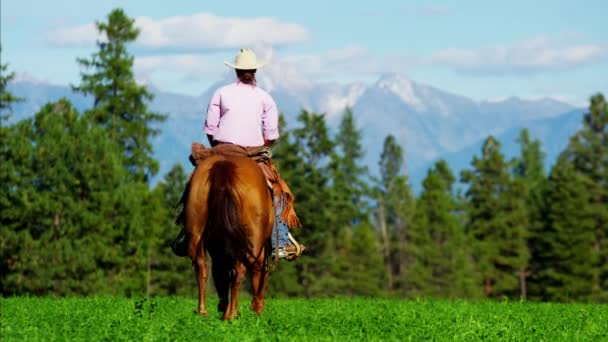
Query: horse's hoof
{"x": 257, "y": 308}
{"x": 202, "y": 313}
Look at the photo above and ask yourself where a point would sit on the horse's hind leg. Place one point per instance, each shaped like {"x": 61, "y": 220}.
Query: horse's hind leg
{"x": 195, "y": 212}
{"x": 200, "y": 264}
{"x": 235, "y": 285}
{"x": 259, "y": 279}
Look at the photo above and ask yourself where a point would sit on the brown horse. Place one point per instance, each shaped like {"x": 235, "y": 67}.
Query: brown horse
{"x": 229, "y": 214}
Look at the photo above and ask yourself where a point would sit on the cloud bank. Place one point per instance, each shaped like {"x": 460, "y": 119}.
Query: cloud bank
{"x": 198, "y": 31}
{"x": 184, "y": 44}
{"x": 535, "y": 55}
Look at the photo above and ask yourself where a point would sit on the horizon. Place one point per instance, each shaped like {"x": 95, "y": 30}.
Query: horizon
{"x": 26, "y": 78}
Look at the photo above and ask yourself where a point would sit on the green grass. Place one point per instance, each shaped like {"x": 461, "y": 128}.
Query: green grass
{"x": 165, "y": 318}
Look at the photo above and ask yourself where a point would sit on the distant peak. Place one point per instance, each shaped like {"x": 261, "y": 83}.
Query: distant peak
{"x": 401, "y": 86}
{"x": 546, "y": 100}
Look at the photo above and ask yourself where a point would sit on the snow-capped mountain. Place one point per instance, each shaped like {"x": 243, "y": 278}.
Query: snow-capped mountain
{"x": 430, "y": 123}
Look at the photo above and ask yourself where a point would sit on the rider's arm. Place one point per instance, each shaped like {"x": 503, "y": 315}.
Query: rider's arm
{"x": 213, "y": 117}
{"x": 270, "y": 121}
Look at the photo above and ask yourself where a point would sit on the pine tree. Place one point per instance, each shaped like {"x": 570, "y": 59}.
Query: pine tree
{"x": 395, "y": 207}
{"x": 565, "y": 261}
{"x": 348, "y": 180}
{"x": 529, "y": 172}
{"x": 15, "y": 195}
{"x": 442, "y": 264}
{"x": 497, "y": 221}
{"x": 6, "y": 98}
{"x": 589, "y": 151}
{"x": 6, "y": 101}
{"x": 63, "y": 186}
{"x": 120, "y": 104}
{"x": 366, "y": 263}
{"x": 349, "y": 199}
{"x": 11, "y": 144}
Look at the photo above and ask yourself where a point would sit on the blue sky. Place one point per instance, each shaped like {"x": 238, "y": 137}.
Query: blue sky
{"x": 480, "y": 49}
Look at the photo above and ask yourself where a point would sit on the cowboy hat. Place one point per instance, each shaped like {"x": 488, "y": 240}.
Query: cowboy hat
{"x": 245, "y": 60}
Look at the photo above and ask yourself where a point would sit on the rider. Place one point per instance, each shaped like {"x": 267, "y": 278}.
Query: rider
{"x": 242, "y": 113}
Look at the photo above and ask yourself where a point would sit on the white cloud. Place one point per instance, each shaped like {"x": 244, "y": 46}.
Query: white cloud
{"x": 198, "y": 31}
{"x": 540, "y": 54}
{"x": 80, "y": 36}
{"x": 351, "y": 60}
{"x": 296, "y": 70}
{"x": 190, "y": 67}
{"x": 188, "y": 63}
{"x": 301, "y": 72}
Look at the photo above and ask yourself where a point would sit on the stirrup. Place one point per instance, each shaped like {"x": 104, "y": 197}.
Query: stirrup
{"x": 299, "y": 248}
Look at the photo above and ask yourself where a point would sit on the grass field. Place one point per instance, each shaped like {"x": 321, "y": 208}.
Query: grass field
{"x": 164, "y": 318}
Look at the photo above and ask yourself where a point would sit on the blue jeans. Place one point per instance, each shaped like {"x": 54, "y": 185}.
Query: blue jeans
{"x": 279, "y": 226}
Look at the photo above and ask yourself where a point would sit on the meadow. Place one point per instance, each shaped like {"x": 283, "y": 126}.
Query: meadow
{"x": 172, "y": 318}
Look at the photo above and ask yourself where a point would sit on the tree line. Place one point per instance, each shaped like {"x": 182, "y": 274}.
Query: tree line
{"x": 79, "y": 217}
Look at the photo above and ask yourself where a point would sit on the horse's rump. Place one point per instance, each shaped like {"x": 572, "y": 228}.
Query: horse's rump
{"x": 232, "y": 204}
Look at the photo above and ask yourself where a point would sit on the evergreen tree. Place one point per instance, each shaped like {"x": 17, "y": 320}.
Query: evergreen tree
{"x": 11, "y": 145}
{"x": 497, "y": 221}
{"x": 120, "y": 104}
{"x": 121, "y": 108}
{"x": 367, "y": 277}
{"x": 60, "y": 227}
{"x": 393, "y": 214}
{"x": 6, "y": 101}
{"x": 442, "y": 264}
{"x": 6, "y": 98}
{"x": 530, "y": 165}
{"x": 348, "y": 198}
{"x": 529, "y": 172}
{"x": 349, "y": 187}
{"x": 565, "y": 261}
{"x": 589, "y": 151}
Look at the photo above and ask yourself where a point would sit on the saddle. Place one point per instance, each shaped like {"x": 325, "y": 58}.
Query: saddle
{"x": 262, "y": 155}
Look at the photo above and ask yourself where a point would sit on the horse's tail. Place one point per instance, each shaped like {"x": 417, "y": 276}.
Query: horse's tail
{"x": 225, "y": 237}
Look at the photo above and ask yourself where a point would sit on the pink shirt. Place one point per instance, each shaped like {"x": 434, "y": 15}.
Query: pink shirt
{"x": 242, "y": 114}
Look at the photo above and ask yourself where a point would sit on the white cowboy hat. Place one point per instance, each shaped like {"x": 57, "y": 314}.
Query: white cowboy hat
{"x": 245, "y": 60}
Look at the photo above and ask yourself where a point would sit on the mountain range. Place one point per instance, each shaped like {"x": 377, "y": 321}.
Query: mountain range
{"x": 430, "y": 123}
